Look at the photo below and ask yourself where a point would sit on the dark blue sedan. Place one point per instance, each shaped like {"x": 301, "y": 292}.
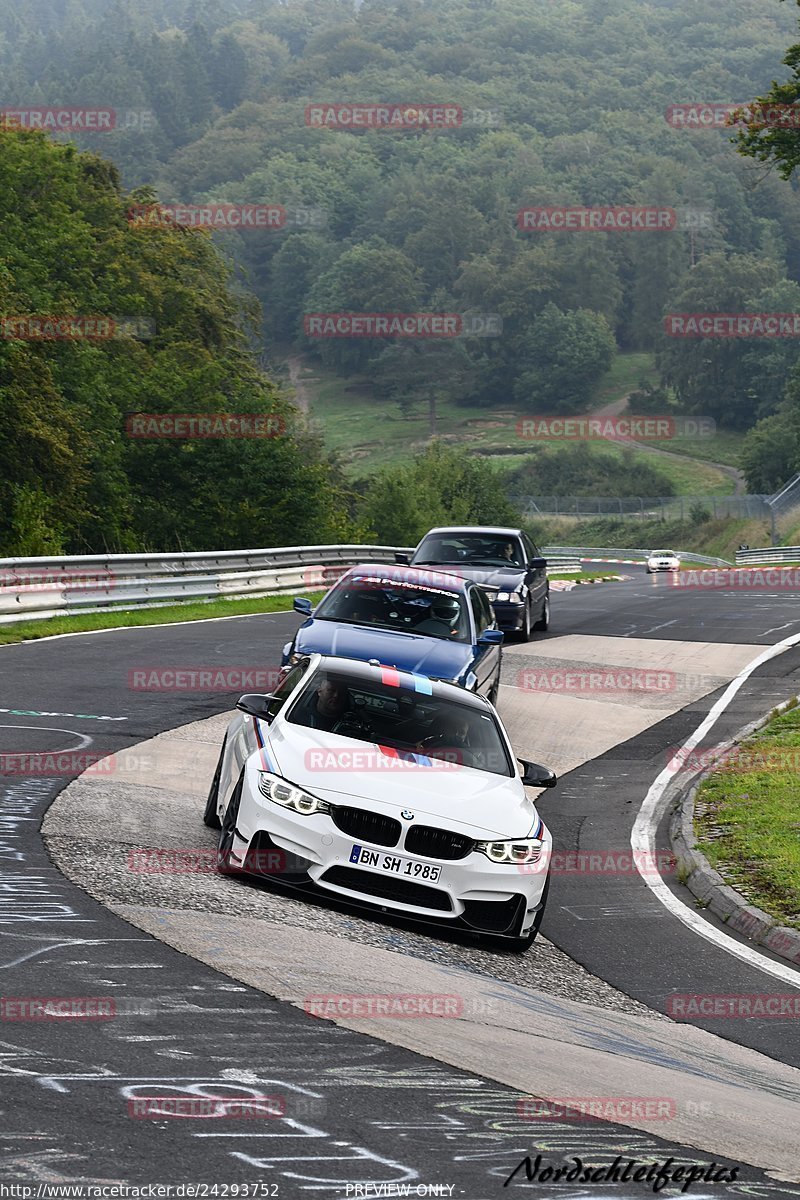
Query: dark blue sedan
{"x": 425, "y": 622}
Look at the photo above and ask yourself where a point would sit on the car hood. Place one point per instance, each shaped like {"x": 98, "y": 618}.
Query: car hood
{"x": 405, "y": 651}
{"x": 348, "y": 771}
{"x": 505, "y": 579}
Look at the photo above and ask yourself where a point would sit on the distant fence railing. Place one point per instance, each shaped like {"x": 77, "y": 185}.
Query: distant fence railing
{"x": 625, "y": 554}
{"x": 768, "y": 554}
{"x": 32, "y": 588}
{"x": 645, "y": 508}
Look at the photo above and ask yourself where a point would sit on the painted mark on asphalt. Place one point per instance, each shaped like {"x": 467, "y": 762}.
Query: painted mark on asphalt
{"x": 30, "y": 712}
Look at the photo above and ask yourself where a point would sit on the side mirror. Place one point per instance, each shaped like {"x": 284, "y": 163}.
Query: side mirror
{"x": 302, "y": 605}
{"x": 256, "y": 705}
{"x": 537, "y": 564}
{"x": 491, "y": 637}
{"x": 535, "y": 775}
{"x": 401, "y": 557}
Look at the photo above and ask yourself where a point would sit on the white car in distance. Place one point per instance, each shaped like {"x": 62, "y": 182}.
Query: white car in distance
{"x": 662, "y": 560}
{"x": 386, "y": 789}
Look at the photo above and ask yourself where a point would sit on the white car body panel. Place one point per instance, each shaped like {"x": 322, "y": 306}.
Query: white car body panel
{"x": 477, "y": 804}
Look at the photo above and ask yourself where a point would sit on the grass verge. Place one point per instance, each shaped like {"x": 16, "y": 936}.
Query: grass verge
{"x": 747, "y": 819}
{"x": 26, "y": 631}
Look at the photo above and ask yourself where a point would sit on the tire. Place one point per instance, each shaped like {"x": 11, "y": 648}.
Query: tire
{"x": 526, "y": 633}
{"x": 225, "y": 844}
{"x": 543, "y": 624}
{"x": 210, "y": 817}
{"x": 493, "y": 692}
{"x": 519, "y": 945}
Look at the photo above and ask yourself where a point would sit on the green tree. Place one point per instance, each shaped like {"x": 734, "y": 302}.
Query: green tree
{"x": 563, "y": 357}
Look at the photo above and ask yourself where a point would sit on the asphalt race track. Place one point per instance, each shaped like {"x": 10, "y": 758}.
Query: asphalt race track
{"x": 353, "y": 1108}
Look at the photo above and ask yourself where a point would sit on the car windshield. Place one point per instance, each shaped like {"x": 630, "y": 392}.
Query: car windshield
{"x": 397, "y": 606}
{"x": 401, "y": 721}
{"x": 662, "y": 554}
{"x": 475, "y": 549}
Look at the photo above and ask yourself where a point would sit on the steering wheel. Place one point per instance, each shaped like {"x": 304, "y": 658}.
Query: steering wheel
{"x": 352, "y": 725}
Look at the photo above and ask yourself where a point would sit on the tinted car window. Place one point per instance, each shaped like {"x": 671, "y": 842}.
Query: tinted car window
{"x": 397, "y": 606}
{"x": 423, "y": 727}
{"x": 471, "y": 549}
{"x": 285, "y": 688}
{"x": 482, "y": 618}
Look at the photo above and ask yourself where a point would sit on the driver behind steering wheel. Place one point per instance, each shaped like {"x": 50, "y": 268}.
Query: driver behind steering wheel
{"x": 331, "y": 709}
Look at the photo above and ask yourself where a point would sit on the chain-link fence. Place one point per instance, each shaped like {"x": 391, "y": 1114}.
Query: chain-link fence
{"x": 646, "y": 508}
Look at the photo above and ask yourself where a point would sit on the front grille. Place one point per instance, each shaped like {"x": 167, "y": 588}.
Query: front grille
{"x": 402, "y": 891}
{"x": 367, "y": 826}
{"x": 437, "y": 843}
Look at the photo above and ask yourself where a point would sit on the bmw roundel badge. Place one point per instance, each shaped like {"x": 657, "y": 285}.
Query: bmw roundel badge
{"x": 407, "y": 815}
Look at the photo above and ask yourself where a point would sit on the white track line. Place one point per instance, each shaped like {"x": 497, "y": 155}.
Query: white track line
{"x": 644, "y": 826}
{"x": 53, "y": 637}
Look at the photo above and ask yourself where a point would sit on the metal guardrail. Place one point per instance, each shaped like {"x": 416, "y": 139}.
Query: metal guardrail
{"x": 768, "y": 554}
{"x": 37, "y": 588}
{"x": 621, "y": 554}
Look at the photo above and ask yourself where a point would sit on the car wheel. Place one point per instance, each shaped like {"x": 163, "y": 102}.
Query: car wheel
{"x": 526, "y": 633}
{"x": 225, "y": 844}
{"x": 494, "y": 692}
{"x": 210, "y": 817}
{"x": 543, "y": 624}
{"x": 519, "y": 945}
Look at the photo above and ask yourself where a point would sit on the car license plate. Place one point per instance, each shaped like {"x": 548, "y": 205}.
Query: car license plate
{"x": 393, "y": 864}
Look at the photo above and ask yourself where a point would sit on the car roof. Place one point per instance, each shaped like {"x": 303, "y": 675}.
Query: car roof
{"x": 491, "y": 530}
{"x": 408, "y": 681}
{"x": 422, "y": 577}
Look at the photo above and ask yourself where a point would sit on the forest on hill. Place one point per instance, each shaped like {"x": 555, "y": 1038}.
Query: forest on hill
{"x": 568, "y": 104}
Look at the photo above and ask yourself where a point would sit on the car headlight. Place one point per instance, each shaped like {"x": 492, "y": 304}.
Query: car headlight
{"x": 288, "y": 796}
{"x": 517, "y": 597}
{"x": 521, "y": 850}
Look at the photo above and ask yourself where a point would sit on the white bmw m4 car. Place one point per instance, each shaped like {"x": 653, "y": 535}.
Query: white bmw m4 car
{"x": 387, "y": 789}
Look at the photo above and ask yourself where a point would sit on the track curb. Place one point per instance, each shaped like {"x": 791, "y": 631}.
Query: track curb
{"x": 707, "y": 885}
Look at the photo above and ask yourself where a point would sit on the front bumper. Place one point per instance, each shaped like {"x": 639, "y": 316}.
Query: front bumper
{"x": 311, "y": 853}
{"x": 510, "y": 617}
